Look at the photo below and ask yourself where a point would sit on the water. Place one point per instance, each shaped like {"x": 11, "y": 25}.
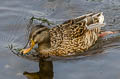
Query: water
{"x": 13, "y": 17}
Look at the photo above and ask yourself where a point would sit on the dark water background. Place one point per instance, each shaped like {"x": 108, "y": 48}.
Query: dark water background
{"x": 13, "y": 16}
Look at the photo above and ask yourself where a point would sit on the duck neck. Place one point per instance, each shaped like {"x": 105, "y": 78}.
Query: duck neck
{"x": 44, "y": 46}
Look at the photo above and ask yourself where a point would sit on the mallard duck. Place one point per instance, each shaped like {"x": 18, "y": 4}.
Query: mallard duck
{"x": 73, "y": 36}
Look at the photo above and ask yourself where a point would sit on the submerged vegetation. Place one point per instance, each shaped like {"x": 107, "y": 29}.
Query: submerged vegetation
{"x": 41, "y": 20}
{"x": 14, "y": 49}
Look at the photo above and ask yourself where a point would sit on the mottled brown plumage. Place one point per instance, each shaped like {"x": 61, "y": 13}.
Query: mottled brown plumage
{"x": 73, "y": 36}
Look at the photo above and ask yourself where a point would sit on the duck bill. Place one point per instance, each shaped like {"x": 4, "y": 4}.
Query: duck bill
{"x": 27, "y": 50}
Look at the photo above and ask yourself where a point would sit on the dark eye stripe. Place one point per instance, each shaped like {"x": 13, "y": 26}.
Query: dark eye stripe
{"x": 38, "y": 32}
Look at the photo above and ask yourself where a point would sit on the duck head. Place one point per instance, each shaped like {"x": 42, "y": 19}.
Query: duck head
{"x": 39, "y": 35}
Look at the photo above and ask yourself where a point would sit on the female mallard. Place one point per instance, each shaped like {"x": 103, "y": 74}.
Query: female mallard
{"x": 73, "y": 36}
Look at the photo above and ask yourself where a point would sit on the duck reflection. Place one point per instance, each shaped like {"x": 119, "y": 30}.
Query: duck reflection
{"x": 45, "y": 72}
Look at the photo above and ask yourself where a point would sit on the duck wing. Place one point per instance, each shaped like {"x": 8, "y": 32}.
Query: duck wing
{"x": 91, "y": 20}
{"x": 76, "y": 27}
